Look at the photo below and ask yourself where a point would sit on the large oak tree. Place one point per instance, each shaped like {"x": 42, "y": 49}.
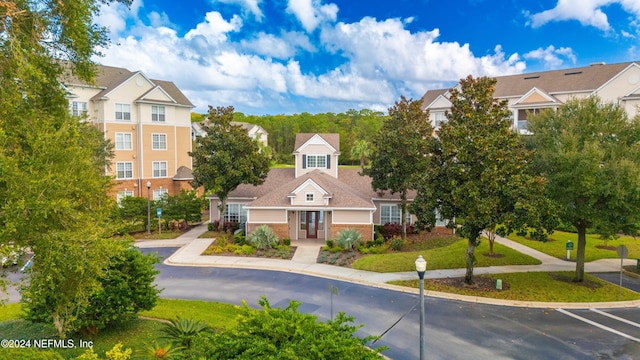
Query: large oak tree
{"x": 478, "y": 169}
{"x": 590, "y": 154}
{"x": 226, "y": 157}
{"x": 400, "y": 150}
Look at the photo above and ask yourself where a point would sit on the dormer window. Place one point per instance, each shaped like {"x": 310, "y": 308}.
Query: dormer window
{"x": 315, "y": 161}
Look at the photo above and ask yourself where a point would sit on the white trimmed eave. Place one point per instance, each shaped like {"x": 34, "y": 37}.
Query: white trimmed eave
{"x": 309, "y": 208}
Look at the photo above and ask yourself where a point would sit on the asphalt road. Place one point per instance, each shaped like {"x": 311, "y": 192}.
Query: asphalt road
{"x": 454, "y": 329}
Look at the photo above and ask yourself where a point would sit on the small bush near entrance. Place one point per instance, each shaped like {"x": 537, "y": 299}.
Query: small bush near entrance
{"x": 349, "y": 239}
{"x": 263, "y": 238}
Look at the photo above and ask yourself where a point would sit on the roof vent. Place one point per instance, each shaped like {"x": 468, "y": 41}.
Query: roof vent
{"x": 573, "y": 73}
{"x": 532, "y": 77}
{"x": 597, "y": 63}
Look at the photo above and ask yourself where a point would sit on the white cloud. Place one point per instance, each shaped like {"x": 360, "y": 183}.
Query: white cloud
{"x": 375, "y": 62}
{"x": 312, "y": 13}
{"x": 553, "y": 58}
{"x": 387, "y": 51}
{"x": 249, "y": 6}
{"x": 587, "y": 12}
{"x": 215, "y": 28}
{"x": 283, "y": 47}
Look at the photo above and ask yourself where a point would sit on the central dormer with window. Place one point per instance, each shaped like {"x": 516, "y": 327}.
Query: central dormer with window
{"x": 317, "y": 152}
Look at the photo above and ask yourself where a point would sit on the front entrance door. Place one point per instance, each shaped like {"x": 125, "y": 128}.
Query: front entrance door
{"x": 312, "y": 224}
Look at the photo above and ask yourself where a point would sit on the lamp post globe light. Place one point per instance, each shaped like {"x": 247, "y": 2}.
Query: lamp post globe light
{"x": 421, "y": 267}
{"x": 148, "y": 207}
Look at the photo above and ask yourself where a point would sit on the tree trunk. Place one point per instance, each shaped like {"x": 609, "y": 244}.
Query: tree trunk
{"x": 403, "y": 214}
{"x": 362, "y": 163}
{"x": 492, "y": 238}
{"x": 471, "y": 260}
{"x": 221, "y": 210}
{"x": 582, "y": 244}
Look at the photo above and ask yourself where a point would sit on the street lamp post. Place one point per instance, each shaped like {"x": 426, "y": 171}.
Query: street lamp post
{"x": 421, "y": 267}
{"x": 148, "y": 207}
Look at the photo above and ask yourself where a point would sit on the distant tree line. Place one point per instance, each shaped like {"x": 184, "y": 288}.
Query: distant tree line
{"x": 354, "y": 125}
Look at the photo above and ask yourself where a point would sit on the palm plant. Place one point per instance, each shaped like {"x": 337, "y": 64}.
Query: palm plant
{"x": 263, "y": 238}
{"x": 348, "y": 238}
{"x": 181, "y": 332}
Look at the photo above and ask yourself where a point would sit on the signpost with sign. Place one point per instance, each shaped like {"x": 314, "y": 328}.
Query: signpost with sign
{"x": 569, "y": 248}
{"x": 623, "y": 252}
{"x": 159, "y": 213}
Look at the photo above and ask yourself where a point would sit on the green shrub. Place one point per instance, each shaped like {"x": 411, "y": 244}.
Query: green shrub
{"x": 349, "y": 239}
{"x": 222, "y": 241}
{"x": 335, "y": 249}
{"x": 396, "y": 243}
{"x": 330, "y": 244}
{"x": 211, "y": 227}
{"x": 286, "y": 242}
{"x": 181, "y": 332}
{"x": 248, "y": 249}
{"x": 240, "y": 240}
{"x": 263, "y": 238}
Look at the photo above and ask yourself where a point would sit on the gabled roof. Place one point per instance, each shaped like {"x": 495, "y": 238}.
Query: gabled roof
{"x": 586, "y": 79}
{"x": 108, "y": 78}
{"x": 350, "y": 190}
{"x": 183, "y": 173}
{"x": 303, "y": 138}
{"x": 582, "y": 79}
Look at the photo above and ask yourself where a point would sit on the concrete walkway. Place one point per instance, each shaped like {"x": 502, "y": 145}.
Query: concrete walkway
{"x": 304, "y": 262}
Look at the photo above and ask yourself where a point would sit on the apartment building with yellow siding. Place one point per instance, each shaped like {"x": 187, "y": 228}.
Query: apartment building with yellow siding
{"x": 149, "y": 123}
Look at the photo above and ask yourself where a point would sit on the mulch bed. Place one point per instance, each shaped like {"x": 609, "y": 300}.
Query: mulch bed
{"x": 479, "y": 283}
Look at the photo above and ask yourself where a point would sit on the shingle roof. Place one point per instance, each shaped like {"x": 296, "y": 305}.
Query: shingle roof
{"x": 582, "y": 79}
{"x": 109, "y": 77}
{"x": 183, "y": 173}
{"x": 350, "y": 190}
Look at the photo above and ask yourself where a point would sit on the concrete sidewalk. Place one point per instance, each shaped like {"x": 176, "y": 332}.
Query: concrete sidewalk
{"x": 304, "y": 262}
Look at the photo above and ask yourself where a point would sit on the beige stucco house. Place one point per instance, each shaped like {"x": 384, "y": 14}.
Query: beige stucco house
{"x": 529, "y": 93}
{"x": 149, "y": 123}
{"x": 314, "y": 200}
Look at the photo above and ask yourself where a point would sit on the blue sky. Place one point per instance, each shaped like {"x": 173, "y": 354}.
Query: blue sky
{"x": 293, "y": 56}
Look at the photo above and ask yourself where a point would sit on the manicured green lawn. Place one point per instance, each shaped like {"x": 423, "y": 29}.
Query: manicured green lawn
{"x": 215, "y": 314}
{"x": 137, "y": 334}
{"x": 539, "y": 286}
{"x": 448, "y": 257}
{"x": 556, "y": 246}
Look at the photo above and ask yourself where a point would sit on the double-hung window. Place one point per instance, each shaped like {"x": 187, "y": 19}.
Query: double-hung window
{"x": 124, "y": 141}
{"x": 123, "y": 112}
{"x": 123, "y": 194}
{"x": 158, "y": 193}
{"x": 316, "y": 161}
{"x": 78, "y": 108}
{"x": 159, "y": 141}
{"x": 159, "y": 169}
{"x": 440, "y": 118}
{"x": 392, "y": 214}
{"x": 124, "y": 170}
{"x": 235, "y": 213}
{"x": 157, "y": 113}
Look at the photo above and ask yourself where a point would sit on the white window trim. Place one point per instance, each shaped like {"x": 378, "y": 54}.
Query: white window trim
{"x": 123, "y": 194}
{"x": 239, "y": 210}
{"x": 79, "y": 110}
{"x": 124, "y": 163}
{"x": 159, "y": 169}
{"x": 316, "y": 157}
{"x": 153, "y": 142}
{"x": 155, "y": 110}
{"x": 391, "y": 217}
{"x": 157, "y": 193}
{"x": 306, "y": 197}
{"x": 130, "y": 142}
{"x": 122, "y": 110}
